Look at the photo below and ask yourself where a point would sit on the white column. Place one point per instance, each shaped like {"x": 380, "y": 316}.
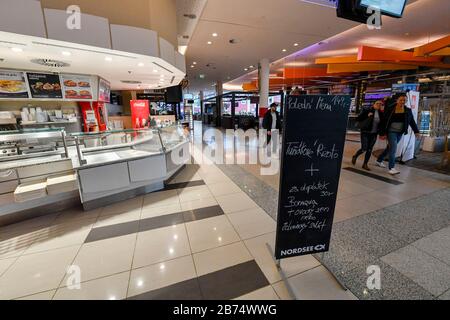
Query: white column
{"x": 264, "y": 74}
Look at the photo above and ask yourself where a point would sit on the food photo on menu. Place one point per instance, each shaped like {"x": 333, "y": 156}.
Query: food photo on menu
{"x": 76, "y": 87}
{"x": 13, "y": 85}
{"x": 45, "y": 85}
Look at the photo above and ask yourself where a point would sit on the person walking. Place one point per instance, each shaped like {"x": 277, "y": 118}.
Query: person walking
{"x": 370, "y": 120}
{"x": 271, "y": 121}
{"x": 397, "y": 120}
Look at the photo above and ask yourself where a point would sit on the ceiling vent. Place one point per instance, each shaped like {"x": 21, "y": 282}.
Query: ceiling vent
{"x": 131, "y": 81}
{"x": 185, "y": 37}
{"x": 51, "y": 63}
{"x": 190, "y": 16}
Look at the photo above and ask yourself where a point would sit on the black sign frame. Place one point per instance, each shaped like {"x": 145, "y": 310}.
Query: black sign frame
{"x": 314, "y": 133}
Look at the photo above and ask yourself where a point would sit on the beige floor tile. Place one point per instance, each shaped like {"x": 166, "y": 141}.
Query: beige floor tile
{"x": 353, "y": 188}
{"x": 194, "y": 193}
{"x": 160, "y": 245}
{"x": 161, "y": 275}
{"x": 109, "y": 288}
{"x": 118, "y": 218}
{"x": 197, "y": 204}
{"x": 282, "y": 291}
{"x": 266, "y": 293}
{"x": 62, "y": 235}
{"x": 223, "y": 188}
{"x": 36, "y": 273}
{"x": 74, "y": 215}
{"x": 221, "y": 258}
{"x": 251, "y": 223}
{"x": 352, "y": 207}
{"x": 210, "y": 233}
{"x": 5, "y": 264}
{"x": 236, "y": 202}
{"x": 14, "y": 246}
{"x": 134, "y": 204}
{"x": 105, "y": 257}
{"x": 27, "y": 226}
{"x": 43, "y": 296}
{"x": 318, "y": 284}
{"x": 152, "y": 212}
{"x": 161, "y": 199}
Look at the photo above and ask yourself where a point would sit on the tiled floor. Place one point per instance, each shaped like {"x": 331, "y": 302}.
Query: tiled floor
{"x": 206, "y": 236}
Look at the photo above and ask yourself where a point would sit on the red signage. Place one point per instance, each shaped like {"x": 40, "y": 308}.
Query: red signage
{"x": 140, "y": 113}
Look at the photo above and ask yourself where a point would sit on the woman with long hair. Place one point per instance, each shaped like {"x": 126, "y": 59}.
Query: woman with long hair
{"x": 397, "y": 120}
{"x": 370, "y": 120}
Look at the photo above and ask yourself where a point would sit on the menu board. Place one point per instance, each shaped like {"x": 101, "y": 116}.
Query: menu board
{"x": 77, "y": 87}
{"x": 13, "y": 85}
{"x": 313, "y": 144}
{"x": 104, "y": 91}
{"x": 45, "y": 85}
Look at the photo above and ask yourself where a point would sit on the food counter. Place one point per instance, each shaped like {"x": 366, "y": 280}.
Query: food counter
{"x": 94, "y": 169}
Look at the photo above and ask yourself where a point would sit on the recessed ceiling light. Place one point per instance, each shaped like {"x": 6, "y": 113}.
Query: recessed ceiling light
{"x": 251, "y": 67}
{"x": 194, "y": 63}
{"x": 108, "y": 59}
{"x": 295, "y": 44}
{"x": 245, "y": 69}
{"x": 17, "y": 49}
{"x": 155, "y": 71}
{"x": 141, "y": 64}
{"x": 209, "y": 42}
{"x": 66, "y": 53}
{"x": 214, "y": 34}
{"x": 192, "y": 66}
{"x": 284, "y": 50}
{"x": 162, "y": 76}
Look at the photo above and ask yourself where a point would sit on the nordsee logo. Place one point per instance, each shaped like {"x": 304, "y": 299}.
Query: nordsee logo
{"x": 289, "y": 252}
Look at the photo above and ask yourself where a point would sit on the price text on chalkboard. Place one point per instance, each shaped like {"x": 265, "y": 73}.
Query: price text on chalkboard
{"x": 313, "y": 144}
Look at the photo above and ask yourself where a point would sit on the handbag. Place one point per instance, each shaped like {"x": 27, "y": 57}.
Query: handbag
{"x": 364, "y": 124}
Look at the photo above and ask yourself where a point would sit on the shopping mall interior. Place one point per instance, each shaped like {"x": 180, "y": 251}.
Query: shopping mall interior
{"x": 224, "y": 150}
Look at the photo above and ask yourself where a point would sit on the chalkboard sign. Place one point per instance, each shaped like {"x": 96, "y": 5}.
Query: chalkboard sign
{"x": 313, "y": 144}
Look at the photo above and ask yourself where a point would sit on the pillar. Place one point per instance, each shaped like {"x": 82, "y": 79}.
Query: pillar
{"x": 264, "y": 74}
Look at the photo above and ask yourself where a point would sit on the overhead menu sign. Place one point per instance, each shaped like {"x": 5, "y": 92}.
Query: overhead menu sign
{"x": 313, "y": 144}
{"x": 45, "y": 85}
{"x": 77, "y": 87}
{"x": 13, "y": 85}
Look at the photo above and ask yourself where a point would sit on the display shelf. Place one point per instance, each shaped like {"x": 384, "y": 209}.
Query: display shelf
{"x": 47, "y": 123}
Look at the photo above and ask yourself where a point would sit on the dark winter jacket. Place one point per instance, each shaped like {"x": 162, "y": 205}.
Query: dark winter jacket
{"x": 409, "y": 121}
{"x": 267, "y": 121}
{"x": 368, "y": 124}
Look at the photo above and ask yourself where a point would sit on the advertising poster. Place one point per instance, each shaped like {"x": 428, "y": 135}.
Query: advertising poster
{"x": 76, "y": 87}
{"x": 140, "y": 112}
{"x": 13, "y": 85}
{"x": 104, "y": 91}
{"x": 313, "y": 145}
{"x": 45, "y": 85}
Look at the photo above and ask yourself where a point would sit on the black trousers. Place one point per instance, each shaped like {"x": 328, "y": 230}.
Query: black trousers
{"x": 368, "y": 141}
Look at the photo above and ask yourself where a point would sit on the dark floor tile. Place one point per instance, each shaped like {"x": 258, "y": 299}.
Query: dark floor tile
{"x": 112, "y": 231}
{"x": 182, "y": 185}
{"x": 202, "y": 213}
{"x": 233, "y": 282}
{"x": 161, "y": 222}
{"x": 374, "y": 176}
{"x": 186, "y": 290}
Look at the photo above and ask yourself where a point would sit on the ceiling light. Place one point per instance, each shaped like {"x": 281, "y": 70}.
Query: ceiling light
{"x": 140, "y": 64}
{"x": 284, "y": 50}
{"x": 66, "y": 53}
{"x": 251, "y": 67}
{"x": 214, "y": 34}
{"x": 155, "y": 71}
{"x": 194, "y": 63}
{"x": 209, "y": 42}
{"x": 295, "y": 44}
{"x": 192, "y": 66}
{"x": 245, "y": 69}
{"x": 162, "y": 76}
{"x": 202, "y": 76}
{"x": 109, "y": 59}
{"x": 15, "y": 49}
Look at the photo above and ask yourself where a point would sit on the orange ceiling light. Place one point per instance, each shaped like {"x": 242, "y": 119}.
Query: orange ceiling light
{"x": 432, "y": 47}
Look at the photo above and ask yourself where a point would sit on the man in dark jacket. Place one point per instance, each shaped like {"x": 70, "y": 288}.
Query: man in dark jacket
{"x": 271, "y": 121}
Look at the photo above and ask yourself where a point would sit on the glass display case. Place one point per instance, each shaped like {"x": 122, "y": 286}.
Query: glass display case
{"x": 110, "y": 146}
{"x": 32, "y": 145}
